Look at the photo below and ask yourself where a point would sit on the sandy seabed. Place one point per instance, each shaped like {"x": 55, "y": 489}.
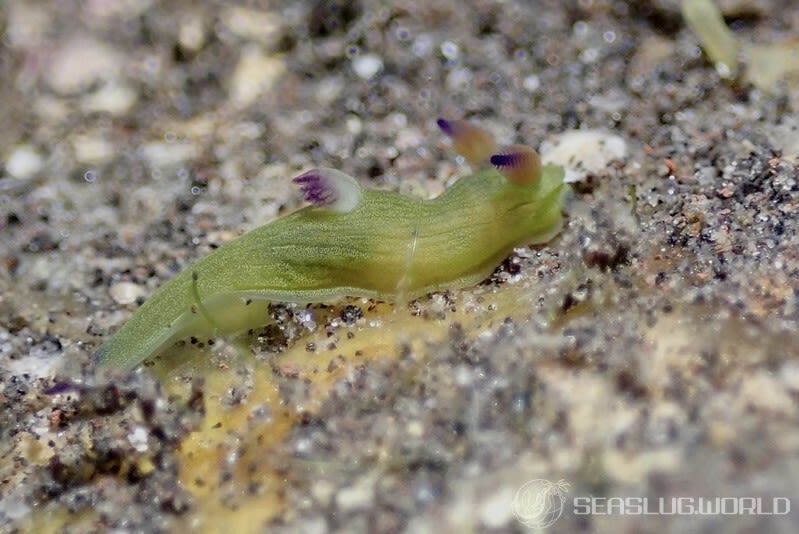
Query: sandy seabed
{"x": 650, "y": 351}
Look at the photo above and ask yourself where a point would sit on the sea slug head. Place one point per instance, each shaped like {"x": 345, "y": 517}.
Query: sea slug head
{"x": 534, "y": 196}
{"x": 528, "y": 198}
{"x": 520, "y": 164}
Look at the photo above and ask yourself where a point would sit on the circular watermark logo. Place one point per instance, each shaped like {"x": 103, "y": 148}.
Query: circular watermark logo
{"x": 539, "y": 503}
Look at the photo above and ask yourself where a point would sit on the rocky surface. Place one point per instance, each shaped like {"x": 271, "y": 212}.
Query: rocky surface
{"x": 648, "y": 351}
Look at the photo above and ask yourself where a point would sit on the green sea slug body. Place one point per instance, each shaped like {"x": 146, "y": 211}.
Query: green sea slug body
{"x": 357, "y": 242}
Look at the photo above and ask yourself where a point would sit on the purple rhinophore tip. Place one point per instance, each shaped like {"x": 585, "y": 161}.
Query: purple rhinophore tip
{"x": 59, "y": 387}
{"x": 316, "y": 188}
{"x": 506, "y": 160}
{"x": 445, "y": 125}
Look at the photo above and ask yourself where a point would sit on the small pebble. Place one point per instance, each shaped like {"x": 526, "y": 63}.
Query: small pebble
{"x": 367, "y": 66}
{"x": 449, "y": 50}
{"x": 531, "y": 83}
{"x": 359, "y": 496}
{"x": 90, "y": 149}
{"x": 24, "y": 162}
{"x": 256, "y": 25}
{"x": 112, "y": 98}
{"x": 80, "y": 63}
{"x": 496, "y": 511}
{"x": 583, "y": 152}
{"x": 191, "y": 36}
{"x": 125, "y": 292}
{"x": 459, "y": 79}
{"x": 138, "y": 438}
{"x": 165, "y": 154}
{"x": 255, "y": 74}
